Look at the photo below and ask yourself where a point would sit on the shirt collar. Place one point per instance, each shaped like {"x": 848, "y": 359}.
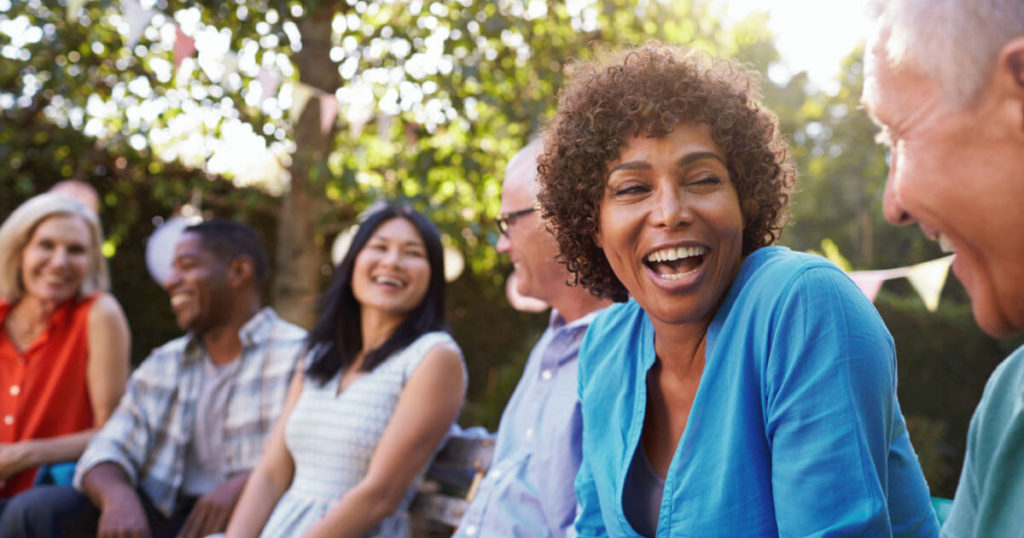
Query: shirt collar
{"x": 565, "y": 337}
{"x": 255, "y": 332}
{"x": 556, "y": 322}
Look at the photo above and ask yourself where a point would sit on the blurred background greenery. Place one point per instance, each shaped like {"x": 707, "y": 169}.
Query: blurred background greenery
{"x": 432, "y": 100}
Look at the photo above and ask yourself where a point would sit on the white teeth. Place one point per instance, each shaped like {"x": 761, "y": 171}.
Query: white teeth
{"x": 388, "y": 281}
{"x": 178, "y": 298}
{"x": 946, "y": 245}
{"x": 677, "y": 276}
{"x": 672, "y": 254}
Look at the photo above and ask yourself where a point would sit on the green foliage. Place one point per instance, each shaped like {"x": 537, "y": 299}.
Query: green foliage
{"x": 842, "y": 176}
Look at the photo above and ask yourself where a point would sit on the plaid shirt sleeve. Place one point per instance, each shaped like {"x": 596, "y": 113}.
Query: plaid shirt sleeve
{"x": 139, "y": 422}
{"x": 150, "y": 430}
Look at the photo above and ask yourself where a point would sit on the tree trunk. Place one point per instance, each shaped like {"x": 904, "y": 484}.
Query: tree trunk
{"x": 300, "y": 252}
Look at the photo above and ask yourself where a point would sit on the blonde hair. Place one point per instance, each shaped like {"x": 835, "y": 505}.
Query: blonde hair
{"x": 17, "y": 230}
{"x": 955, "y": 43}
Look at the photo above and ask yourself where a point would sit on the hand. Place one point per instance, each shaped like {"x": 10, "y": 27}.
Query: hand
{"x": 14, "y": 458}
{"x": 213, "y": 510}
{"x": 123, "y": 518}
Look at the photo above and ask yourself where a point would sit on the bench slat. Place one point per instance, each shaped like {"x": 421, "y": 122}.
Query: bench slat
{"x": 451, "y": 483}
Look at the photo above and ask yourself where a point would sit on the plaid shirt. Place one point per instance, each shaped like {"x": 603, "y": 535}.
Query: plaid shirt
{"x": 149, "y": 433}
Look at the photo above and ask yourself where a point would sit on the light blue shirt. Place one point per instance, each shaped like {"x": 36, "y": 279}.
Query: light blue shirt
{"x": 528, "y": 490}
{"x": 795, "y": 429}
{"x": 990, "y": 497}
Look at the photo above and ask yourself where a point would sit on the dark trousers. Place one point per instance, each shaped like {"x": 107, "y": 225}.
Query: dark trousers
{"x": 63, "y": 512}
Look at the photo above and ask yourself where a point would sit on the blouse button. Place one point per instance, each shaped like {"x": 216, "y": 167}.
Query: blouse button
{"x": 15, "y": 390}
{"x": 8, "y": 420}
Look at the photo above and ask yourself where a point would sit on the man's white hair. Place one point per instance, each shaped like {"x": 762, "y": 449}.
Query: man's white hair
{"x": 953, "y": 42}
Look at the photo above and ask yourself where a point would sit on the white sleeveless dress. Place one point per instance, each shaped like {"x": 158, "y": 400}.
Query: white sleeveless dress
{"x": 332, "y": 436}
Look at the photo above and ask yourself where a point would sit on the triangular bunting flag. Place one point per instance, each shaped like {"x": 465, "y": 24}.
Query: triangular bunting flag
{"x": 869, "y": 282}
{"x": 928, "y": 279}
{"x": 184, "y": 46}
{"x": 268, "y": 81}
{"x": 328, "y": 111}
{"x": 301, "y": 94}
{"x": 74, "y": 6}
{"x": 138, "y": 19}
{"x": 230, "y": 62}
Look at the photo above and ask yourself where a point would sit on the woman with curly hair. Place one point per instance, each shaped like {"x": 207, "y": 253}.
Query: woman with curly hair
{"x": 739, "y": 388}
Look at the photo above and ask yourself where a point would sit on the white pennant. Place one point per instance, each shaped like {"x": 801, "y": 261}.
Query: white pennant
{"x": 928, "y": 278}
{"x": 74, "y": 6}
{"x": 301, "y": 94}
{"x": 328, "y": 111}
{"x": 138, "y": 19}
{"x": 268, "y": 81}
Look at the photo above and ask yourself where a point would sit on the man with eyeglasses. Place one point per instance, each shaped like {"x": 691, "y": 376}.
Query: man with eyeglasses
{"x": 529, "y": 488}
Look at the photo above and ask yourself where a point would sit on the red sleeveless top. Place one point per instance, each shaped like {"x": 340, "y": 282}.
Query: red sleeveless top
{"x": 43, "y": 389}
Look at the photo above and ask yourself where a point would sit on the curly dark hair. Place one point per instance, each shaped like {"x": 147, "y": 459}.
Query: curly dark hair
{"x": 650, "y": 91}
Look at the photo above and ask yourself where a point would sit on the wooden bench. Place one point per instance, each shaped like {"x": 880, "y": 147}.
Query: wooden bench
{"x": 450, "y": 484}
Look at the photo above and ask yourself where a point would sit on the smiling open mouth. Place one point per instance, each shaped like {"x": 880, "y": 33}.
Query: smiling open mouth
{"x": 389, "y": 281}
{"x": 677, "y": 262}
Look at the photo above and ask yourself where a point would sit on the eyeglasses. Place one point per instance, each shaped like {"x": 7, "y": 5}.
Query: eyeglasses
{"x": 504, "y": 220}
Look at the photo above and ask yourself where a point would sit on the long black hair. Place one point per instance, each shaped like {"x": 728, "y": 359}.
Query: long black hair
{"x": 337, "y": 337}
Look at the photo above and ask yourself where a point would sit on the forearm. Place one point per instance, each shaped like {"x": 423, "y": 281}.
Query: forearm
{"x": 363, "y": 507}
{"x": 107, "y": 484}
{"x": 258, "y": 499}
{"x": 58, "y": 449}
{"x": 109, "y": 488}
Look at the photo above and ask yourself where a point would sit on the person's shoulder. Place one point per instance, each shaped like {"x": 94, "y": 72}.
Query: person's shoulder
{"x": 162, "y": 366}
{"x": 435, "y": 336}
{"x": 437, "y": 342}
{"x": 780, "y": 271}
{"x": 1007, "y": 378}
{"x": 282, "y": 328}
{"x": 105, "y": 308}
{"x": 781, "y": 262}
{"x": 998, "y": 414}
{"x": 616, "y": 315}
{"x": 441, "y": 347}
{"x": 168, "y": 354}
{"x": 1013, "y": 364}
{"x": 435, "y": 350}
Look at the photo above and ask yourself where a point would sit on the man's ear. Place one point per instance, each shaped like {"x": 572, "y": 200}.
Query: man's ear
{"x": 240, "y": 271}
{"x": 1010, "y": 75}
{"x": 1013, "y": 55}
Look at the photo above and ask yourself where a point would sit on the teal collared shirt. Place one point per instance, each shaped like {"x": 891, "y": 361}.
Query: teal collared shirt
{"x": 795, "y": 429}
{"x": 989, "y": 499}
